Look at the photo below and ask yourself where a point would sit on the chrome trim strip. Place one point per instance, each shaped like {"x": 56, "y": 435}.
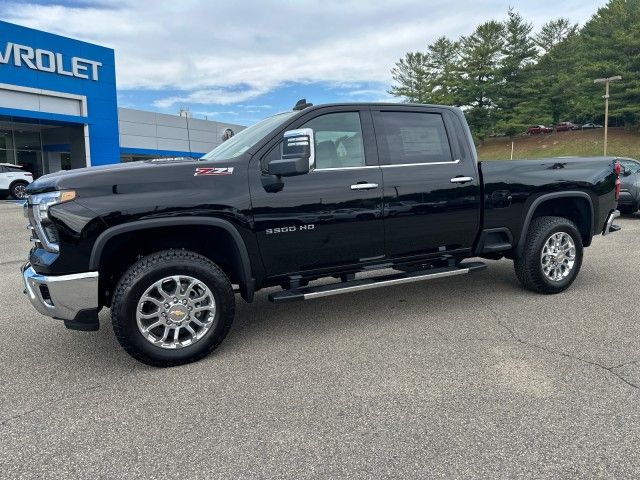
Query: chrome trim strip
{"x": 68, "y": 294}
{"x": 333, "y": 169}
{"x": 397, "y": 281}
{"x": 610, "y": 219}
{"x": 454, "y": 162}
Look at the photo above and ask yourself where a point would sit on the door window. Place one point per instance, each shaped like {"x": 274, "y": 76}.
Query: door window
{"x": 412, "y": 137}
{"x": 338, "y": 140}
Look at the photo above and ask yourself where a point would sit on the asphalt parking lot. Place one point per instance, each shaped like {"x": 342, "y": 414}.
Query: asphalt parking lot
{"x": 456, "y": 378}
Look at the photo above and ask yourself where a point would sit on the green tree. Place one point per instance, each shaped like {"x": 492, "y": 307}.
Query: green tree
{"x": 428, "y": 77}
{"x": 479, "y": 76}
{"x": 610, "y": 45}
{"x": 554, "y": 32}
{"x": 409, "y": 76}
{"x": 518, "y": 52}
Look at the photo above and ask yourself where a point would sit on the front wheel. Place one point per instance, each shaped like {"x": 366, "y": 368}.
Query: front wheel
{"x": 552, "y": 255}
{"x": 172, "y": 307}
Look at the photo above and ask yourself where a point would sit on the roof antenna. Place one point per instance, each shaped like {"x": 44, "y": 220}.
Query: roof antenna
{"x": 302, "y": 104}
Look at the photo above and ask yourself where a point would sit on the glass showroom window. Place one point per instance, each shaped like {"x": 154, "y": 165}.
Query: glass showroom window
{"x": 28, "y": 150}
{"x": 6, "y": 146}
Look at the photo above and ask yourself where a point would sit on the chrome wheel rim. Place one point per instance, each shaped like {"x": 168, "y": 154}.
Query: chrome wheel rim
{"x": 176, "y": 312}
{"x": 558, "y": 256}
{"x": 20, "y": 191}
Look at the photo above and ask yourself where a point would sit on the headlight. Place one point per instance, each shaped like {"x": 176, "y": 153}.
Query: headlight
{"x": 44, "y": 228}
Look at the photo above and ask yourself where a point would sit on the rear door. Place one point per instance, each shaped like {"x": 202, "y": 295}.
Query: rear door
{"x": 431, "y": 190}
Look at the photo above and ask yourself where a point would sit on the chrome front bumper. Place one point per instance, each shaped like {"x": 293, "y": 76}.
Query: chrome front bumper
{"x": 609, "y": 226}
{"x": 61, "y": 296}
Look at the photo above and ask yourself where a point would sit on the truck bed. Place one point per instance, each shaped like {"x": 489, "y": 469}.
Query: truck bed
{"x": 511, "y": 187}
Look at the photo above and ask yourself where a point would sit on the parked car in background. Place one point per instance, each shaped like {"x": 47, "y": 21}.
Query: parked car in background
{"x": 14, "y": 180}
{"x": 538, "y": 129}
{"x": 566, "y": 126}
{"x": 590, "y": 126}
{"x": 629, "y": 201}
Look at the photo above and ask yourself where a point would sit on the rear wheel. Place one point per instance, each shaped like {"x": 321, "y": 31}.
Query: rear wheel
{"x": 552, "y": 255}
{"x": 172, "y": 307}
{"x": 19, "y": 190}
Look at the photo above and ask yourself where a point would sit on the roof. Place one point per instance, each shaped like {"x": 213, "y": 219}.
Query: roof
{"x": 378, "y": 104}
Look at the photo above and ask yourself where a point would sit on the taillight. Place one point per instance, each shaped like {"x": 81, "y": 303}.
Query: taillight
{"x": 28, "y": 174}
{"x": 618, "y": 170}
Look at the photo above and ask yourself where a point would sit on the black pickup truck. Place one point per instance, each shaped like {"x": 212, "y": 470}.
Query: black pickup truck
{"x": 321, "y": 192}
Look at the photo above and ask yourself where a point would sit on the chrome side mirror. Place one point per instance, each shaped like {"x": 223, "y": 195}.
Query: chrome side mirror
{"x": 298, "y": 154}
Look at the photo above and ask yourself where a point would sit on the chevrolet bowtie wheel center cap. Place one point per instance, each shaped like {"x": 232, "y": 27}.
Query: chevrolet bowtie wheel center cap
{"x": 176, "y": 312}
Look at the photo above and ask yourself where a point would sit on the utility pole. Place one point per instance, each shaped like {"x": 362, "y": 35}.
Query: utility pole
{"x": 606, "y": 82}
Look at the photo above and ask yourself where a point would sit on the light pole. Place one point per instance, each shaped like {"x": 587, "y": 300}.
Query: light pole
{"x": 606, "y": 82}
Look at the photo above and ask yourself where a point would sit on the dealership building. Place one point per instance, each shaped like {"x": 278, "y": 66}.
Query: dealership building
{"x": 59, "y": 109}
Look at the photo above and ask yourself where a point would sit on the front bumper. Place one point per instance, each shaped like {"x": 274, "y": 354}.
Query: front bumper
{"x": 72, "y": 298}
{"x": 609, "y": 227}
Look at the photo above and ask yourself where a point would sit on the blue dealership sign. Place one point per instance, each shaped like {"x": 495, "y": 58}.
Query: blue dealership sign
{"x": 32, "y": 60}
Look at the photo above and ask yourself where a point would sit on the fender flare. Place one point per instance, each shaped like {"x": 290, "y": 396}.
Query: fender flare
{"x": 247, "y": 284}
{"x": 552, "y": 196}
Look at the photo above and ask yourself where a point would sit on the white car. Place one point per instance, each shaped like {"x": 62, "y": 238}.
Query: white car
{"x": 14, "y": 180}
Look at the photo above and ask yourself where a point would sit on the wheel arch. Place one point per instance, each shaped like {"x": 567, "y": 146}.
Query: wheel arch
{"x": 240, "y": 264}
{"x": 577, "y": 206}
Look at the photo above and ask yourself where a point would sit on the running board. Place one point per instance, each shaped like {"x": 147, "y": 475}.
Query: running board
{"x": 308, "y": 293}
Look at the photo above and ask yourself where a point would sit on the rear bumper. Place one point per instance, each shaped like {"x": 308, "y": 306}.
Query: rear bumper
{"x": 72, "y": 298}
{"x": 609, "y": 227}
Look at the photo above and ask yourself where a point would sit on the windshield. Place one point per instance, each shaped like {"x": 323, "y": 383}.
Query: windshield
{"x": 247, "y": 138}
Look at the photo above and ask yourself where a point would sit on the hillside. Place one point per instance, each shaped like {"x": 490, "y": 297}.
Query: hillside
{"x": 622, "y": 143}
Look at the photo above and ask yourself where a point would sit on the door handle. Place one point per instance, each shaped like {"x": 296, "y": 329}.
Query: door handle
{"x": 364, "y": 186}
{"x": 461, "y": 179}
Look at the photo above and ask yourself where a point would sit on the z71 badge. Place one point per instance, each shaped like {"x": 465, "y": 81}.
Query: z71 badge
{"x": 200, "y": 171}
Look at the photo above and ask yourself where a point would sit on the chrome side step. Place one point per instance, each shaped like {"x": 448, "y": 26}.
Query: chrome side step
{"x": 308, "y": 293}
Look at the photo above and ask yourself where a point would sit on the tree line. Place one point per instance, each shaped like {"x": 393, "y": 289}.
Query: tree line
{"x": 506, "y": 76}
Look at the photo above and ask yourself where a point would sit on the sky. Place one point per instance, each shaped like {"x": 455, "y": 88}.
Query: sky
{"x": 240, "y": 61}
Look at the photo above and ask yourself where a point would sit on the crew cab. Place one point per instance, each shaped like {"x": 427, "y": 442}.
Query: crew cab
{"x": 318, "y": 193}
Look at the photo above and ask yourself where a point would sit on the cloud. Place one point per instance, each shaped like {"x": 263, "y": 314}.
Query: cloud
{"x": 212, "y": 96}
{"x": 221, "y": 53}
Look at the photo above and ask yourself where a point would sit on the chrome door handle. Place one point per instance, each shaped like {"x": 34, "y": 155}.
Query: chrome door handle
{"x": 364, "y": 186}
{"x": 461, "y": 179}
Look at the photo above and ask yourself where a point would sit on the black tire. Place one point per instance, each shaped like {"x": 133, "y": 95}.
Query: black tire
{"x": 17, "y": 190}
{"x": 140, "y": 276}
{"x": 528, "y": 265}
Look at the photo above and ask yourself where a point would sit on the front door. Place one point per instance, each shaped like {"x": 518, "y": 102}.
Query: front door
{"x": 331, "y": 216}
{"x": 431, "y": 192}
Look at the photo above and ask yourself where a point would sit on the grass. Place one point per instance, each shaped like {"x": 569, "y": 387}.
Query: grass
{"x": 622, "y": 143}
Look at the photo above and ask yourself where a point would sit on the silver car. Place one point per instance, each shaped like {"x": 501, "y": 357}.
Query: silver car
{"x": 629, "y": 202}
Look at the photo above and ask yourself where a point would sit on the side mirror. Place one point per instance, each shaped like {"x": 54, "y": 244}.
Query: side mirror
{"x": 298, "y": 154}
{"x": 626, "y": 172}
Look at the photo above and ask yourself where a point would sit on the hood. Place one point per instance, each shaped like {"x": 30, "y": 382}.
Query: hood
{"x": 110, "y": 176}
